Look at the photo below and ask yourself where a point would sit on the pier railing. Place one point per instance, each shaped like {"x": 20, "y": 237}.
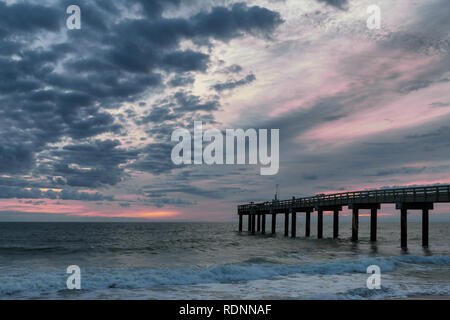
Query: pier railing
{"x": 414, "y": 194}
{"x": 416, "y": 198}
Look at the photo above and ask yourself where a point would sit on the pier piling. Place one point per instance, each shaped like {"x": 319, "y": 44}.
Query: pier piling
{"x": 355, "y": 224}
{"x": 319, "y": 224}
{"x": 373, "y": 224}
{"x": 274, "y": 222}
{"x": 404, "y": 207}
{"x": 263, "y": 224}
{"x": 373, "y": 207}
{"x": 253, "y": 222}
{"x": 286, "y": 224}
{"x": 425, "y": 227}
{"x": 335, "y": 224}
{"x": 294, "y": 224}
{"x": 403, "y": 227}
{"x": 308, "y": 224}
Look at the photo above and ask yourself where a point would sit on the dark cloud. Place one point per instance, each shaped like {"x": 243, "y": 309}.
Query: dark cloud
{"x": 16, "y": 158}
{"x": 341, "y": 4}
{"x": 235, "y": 68}
{"x": 159, "y": 114}
{"x": 154, "y": 8}
{"x": 429, "y": 43}
{"x": 176, "y": 111}
{"x": 59, "y": 89}
{"x": 308, "y": 176}
{"x": 234, "y": 84}
{"x": 415, "y": 85}
{"x": 90, "y": 164}
{"x": 438, "y": 134}
{"x": 211, "y": 193}
{"x": 155, "y": 159}
{"x": 439, "y": 105}
{"x": 161, "y": 202}
{"x": 83, "y": 196}
{"x": 185, "y": 61}
{"x": 176, "y": 202}
{"x": 187, "y": 102}
{"x": 63, "y": 89}
{"x": 411, "y": 186}
{"x": 181, "y": 81}
{"x": 401, "y": 170}
{"x": 426, "y": 34}
{"x": 162, "y": 131}
{"x": 23, "y": 17}
{"x": 8, "y": 192}
{"x": 36, "y": 203}
{"x": 225, "y": 24}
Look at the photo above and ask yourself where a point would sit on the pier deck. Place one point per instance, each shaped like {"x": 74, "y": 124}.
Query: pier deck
{"x": 416, "y": 198}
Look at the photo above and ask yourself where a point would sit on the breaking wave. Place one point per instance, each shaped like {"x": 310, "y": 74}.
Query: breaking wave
{"x": 30, "y": 282}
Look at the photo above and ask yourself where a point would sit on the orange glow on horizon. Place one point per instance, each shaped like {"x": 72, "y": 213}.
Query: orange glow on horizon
{"x": 151, "y": 214}
{"x": 378, "y": 214}
{"x": 80, "y": 209}
{"x": 135, "y": 214}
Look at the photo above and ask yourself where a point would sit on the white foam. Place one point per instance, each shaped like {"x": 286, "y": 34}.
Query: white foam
{"x": 37, "y": 283}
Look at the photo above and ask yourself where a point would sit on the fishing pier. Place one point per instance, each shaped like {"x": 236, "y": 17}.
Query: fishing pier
{"x": 417, "y": 198}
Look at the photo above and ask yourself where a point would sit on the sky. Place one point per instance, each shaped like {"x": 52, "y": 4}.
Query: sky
{"x": 86, "y": 115}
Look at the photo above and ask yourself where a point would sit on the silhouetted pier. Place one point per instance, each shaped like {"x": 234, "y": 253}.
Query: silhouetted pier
{"x": 417, "y": 198}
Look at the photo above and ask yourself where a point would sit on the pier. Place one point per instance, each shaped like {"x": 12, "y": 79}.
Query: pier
{"x": 405, "y": 199}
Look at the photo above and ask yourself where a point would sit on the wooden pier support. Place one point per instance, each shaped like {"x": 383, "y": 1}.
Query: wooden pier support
{"x": 320, "y": 210}
{"x": 425, "y": 227}
{"x": 404, "y": 207}
{"x": 263, "y": 224}
{"x": 373, "y": 207}
{"x": 355, "y": 224}
{"x": 308, "y": 224}
{"x": 335, "y": 224}
{"x": 319, "y": 224}
{"x": 307, "y": 211}
{"x": 294, "y": 224}
{"x": 253, "y": 222}
{"x": 403, "y": 228}
{"x": 240, "y": 223}
{"x": 274, "y": 222}
{"x": 249, "y": 221}
{"x": 373, "y": 224}
{"x": 286, "y": 224}
{"x": 258, "y": 224}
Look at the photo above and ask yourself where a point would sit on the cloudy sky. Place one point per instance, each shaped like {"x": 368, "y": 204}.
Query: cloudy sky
{"x": 86, "y": 115}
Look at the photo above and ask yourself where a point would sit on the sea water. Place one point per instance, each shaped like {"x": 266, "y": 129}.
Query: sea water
{"x": 214, "y": 261}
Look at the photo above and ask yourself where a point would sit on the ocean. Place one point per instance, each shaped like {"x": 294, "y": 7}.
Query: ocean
{"x": 214, "y": 261}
